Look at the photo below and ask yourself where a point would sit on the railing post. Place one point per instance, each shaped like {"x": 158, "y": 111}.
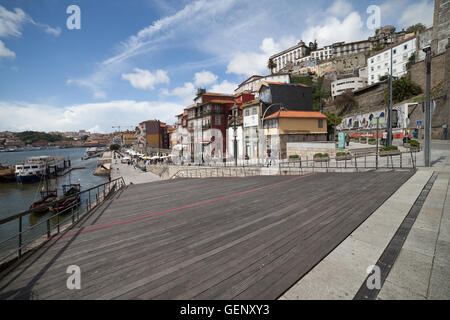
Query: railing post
{"x": 57, "y": 216}
{"x": 401, "y": 161}
{"x": 20, "y": 237}
{"x": 48, "y": 229}
{"x": 73, "y": 216}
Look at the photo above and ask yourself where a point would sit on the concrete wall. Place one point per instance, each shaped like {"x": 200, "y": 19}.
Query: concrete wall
{"x": 418, "y": 72}
{"x": 441, "y": 26}
{"x": 307, "y": 150}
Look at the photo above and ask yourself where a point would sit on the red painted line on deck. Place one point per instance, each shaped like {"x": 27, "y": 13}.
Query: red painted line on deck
{"x": 183, "y": 207}
{"x": 164, "y": 192}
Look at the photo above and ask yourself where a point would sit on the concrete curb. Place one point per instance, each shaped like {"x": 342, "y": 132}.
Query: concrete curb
{"x": 340, "y": 274}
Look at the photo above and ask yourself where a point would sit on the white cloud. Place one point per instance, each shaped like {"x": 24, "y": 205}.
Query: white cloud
{"x": 404, "y": 13}
{"x": 98, "y": 94}
{"x": 224, "y": 87}
{"x": 146, "y": 80}
{"x": 190, "y": 14}
{"x": 20, "y": 116}
{"x": 204, "y": 78}
{"x": 186, "y": 93}
{"x": 11, "y": 25}
{"x": 50, "y": 30}
{"x": 11, "y": 22}
{"x": 420, "y": 12}
{"x": 5, "y": 52}
{"x": 340, "y": 8}
{"x": 250, "y": 63}
{"x": 351, "y": 28}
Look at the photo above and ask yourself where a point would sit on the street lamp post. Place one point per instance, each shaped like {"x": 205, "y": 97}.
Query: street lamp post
{"x": 427, "y": 124}
{"x": 390, "y": 100}
{"x": 282, "y": 107}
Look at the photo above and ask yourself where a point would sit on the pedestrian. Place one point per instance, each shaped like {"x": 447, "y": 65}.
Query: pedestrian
{"x": 384, "y": 139}
{"x": 347, "y": 139}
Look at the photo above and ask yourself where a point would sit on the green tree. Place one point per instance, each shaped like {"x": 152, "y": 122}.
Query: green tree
{"x": 345, "y": 102}
{"x": 332, "y": 122}
{"x": 402, "y": 89}
{"x": 114, "y": 147}
{"x": 271, "y": 65}
{"x": 84, "y": 138}
{"x": 416, "y": 27}
{"x": 411, "y": 61}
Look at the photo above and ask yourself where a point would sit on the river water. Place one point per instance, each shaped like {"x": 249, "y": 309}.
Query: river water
{"x": 15, "y": 197}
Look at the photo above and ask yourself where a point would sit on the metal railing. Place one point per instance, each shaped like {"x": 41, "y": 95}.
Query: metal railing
{"x": 87, "y": 200}
{"x": 358, "y": 161}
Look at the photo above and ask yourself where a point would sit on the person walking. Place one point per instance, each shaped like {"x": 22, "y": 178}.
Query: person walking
{"x": 347, "y": 139}
{"x": 384, "y": 139}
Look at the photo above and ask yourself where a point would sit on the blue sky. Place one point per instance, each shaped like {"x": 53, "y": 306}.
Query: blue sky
{"x": 143, "y": 59}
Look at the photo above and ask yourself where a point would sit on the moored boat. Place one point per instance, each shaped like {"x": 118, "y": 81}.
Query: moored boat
{"x": 7, "y": 174}
{"x": 36, "y": 168}
{"x": 70, "y": 198}
{"x": 43, "y": 205}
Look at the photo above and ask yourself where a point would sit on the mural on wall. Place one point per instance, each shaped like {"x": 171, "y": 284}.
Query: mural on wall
{"x": 369, "y": 120}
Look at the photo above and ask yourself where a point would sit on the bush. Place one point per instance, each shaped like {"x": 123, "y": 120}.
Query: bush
{"x": 402, "y": 89}
{"x": 391, "y": 148}
{"x": 321, "y": 155}
{"x": 363, "y": 139}
{"x": 414, "y": 143}
{"x": 372, "y": 140}
{"x": 341, "y": 154}
{"x": 114, "y": 147}
{"x": 294, "y": 156}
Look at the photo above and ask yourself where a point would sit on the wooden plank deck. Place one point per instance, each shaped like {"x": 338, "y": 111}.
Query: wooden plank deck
{"x": 218, "y": 238}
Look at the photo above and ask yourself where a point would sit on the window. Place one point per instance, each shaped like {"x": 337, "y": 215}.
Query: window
{"x": 395, "y": 51}
{"x": 405, "y": 47}
{"x": 254, "y": 111}
{"x": 247, "y": 112}
{"x": 218, "y": 121}
{"x": 320, "y": 123}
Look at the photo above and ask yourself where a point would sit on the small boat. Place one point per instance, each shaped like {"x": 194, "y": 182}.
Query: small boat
{"x": 47, "y": 198}
{"x": 70, "y": 198}
{"x": 7, "y": 174}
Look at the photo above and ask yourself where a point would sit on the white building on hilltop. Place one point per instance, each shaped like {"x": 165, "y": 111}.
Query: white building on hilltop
{"x": 380, "y": 63}
{"x": 338, "y": 87}
{"x": 289, "y": 56}
{"x": 253, "y": 83}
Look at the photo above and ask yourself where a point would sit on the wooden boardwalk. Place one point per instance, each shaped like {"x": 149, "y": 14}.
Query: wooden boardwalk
{"x": 218, "y": 238}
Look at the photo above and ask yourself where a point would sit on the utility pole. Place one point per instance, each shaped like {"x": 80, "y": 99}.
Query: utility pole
{"x": 427, "y": 111}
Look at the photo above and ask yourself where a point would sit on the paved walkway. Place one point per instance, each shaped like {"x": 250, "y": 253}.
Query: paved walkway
{"x": 131, "y": 174}
{"x": 422, "y": 268}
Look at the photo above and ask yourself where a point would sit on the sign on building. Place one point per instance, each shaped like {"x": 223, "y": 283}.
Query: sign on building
{"x": 251, "y": 121}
